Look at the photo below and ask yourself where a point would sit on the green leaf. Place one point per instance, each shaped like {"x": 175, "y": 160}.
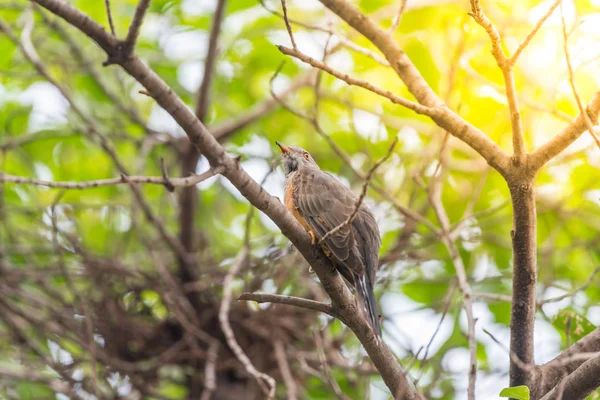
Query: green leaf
{"x": 34, "y": 391}
{"x": 572, "y": 325}
{"x": 517, "y": 392}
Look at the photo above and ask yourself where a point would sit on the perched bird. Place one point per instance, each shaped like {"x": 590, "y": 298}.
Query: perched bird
{"x": 321, "y": 203}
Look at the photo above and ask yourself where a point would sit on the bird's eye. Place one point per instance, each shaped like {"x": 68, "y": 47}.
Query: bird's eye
{"x": 306, "y": 156}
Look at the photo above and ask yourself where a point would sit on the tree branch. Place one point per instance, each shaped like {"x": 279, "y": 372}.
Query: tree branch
{"x": 398, "y": 16}
{"x": 266, "y": 382}
{"x": 509, "y": 79}
{"x": 284, "y": 368}
{"x": 523, "y": 307}
{"x": 579, "y": 384}
{"x": 223, "y": 130}
{"x": 136, "y": 23}
{"x": 549, "y": 375}
{"x": 289, "y": 300}
{"x": 202, "y": 101}
{"x": 569, "y": 134}
{"x": 513, "y": 59}
{"x": 586, "y": 118}
{"x": 419, "y": 109}
{"x": 188, "y": 199}
{"x": 109, "y": 16}
{"x": 384, "y": 360}
{"x": 418, "y": 87}
{"x": 155, "y": 180}
{"x": 435, "y": 199}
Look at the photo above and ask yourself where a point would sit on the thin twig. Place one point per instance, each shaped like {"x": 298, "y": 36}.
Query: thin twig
{"x": 163, "y": 169}
{"x": 435, "y": 200}
{"x": 572, "y": 293}
{"x": 289, "y": 300}
{"x": 287, "y": 25}
{"x": 513, "y": 59}
{"x": 202, "y": 101}
{"x": 284, "y": 368}
{"x": 418, "y": 108}
{"x": 210, "y": 378}
{"x": 136, "y": 23}
{"x": 509, "y": 80}
{"x": 266, "y": 382}
{"x": 448, "y": 303}
{"x": 586, "y": 117}
{"x": 327, "y": 369}
{"x": 398, "y": 16}
{"x": 155, "y": 180}
{"x": 363, "y": 193}
{"x": 110, "y": 19}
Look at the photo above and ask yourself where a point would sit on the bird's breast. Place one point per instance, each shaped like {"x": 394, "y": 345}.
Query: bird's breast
{"x": 290, "y": 203}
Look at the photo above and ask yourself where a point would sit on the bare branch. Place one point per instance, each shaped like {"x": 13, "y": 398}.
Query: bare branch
{"x": 586, "y": 118}
{"x": 210, "y": 379}
{"x": 579, "y": 384}
{"x": 266, "y": 382}
{"x": 513, "y": 59}
{"x": 109, "y": 15}
{"x": 284, "y": 367}
{"x": 364, "y": 84}
{"x": 188, "y": 198}
{"x": 509, "y": 79}
{"x": 583, "y": 287}
{"x": 327, "y": 369}
{"x": 156, "y": 180}
{"x": 223, "y": 130}
{"x": 398, "y": 17}
{"x": 202, "y": 100}
{"x": 289, "y": 300}
{"x": 479, "y": 16}
{"x": 136, "y": 24}
{"x": 417, "y": 86}
{"x": 550, "y": 374}
{"x": 569, "y": 134}
{"x": 435, "y": 200}
{"x": 287, "y": 25}
{"x": 380, "y": 354}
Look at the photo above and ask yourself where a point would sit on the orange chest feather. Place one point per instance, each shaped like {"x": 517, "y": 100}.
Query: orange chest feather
{"x": 288, "y": 200}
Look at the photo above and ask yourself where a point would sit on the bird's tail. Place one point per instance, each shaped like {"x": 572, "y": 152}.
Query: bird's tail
{"x": 366, "y": 295}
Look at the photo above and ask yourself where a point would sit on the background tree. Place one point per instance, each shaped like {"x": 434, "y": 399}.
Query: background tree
{"x": 128, "y": 289}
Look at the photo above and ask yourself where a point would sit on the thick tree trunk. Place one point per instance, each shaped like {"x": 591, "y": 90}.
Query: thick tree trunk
{"x": 524, "y": 276}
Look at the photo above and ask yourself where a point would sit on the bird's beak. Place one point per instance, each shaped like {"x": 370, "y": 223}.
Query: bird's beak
{"x": 283, "y": 147}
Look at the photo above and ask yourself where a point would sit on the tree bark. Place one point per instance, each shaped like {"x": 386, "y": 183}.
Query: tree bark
{"x": 523, "y": 235}
{"x": 550, "y": 374}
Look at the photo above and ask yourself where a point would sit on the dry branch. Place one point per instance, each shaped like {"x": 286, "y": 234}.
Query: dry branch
{"x": 289, "y": 300}
{"x": 417, "y": 85}
{"x": 155, "y": 180}
{"x": 266, "y": 382}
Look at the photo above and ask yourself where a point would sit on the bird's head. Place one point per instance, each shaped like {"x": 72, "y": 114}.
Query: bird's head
{"x": 295, "y": 157}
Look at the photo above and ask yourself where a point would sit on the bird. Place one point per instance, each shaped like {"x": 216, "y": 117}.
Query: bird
{"x": 321, "y": 204}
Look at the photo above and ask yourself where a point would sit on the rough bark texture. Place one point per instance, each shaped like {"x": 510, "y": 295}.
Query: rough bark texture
{"x": 383, "y": 359}
{"x": 579, "y": 384}
{"x": 524, "y": 276}
{"x": 581, "y": 376}
{"x": 549, "y": 375}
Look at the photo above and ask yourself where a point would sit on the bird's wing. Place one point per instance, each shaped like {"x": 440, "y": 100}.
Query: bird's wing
{"x": 325, "y": 203}
{"x": 368, "y": 239}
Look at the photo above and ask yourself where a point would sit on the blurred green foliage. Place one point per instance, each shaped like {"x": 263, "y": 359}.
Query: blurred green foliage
{"x": 42, "y": 137}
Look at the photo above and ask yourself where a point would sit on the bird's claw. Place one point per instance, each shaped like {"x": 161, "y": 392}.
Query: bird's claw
{"x": 313, "y": 238}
